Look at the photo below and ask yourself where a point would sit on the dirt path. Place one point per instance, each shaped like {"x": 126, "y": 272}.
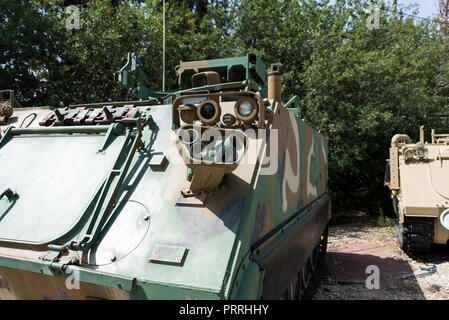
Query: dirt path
{"x": 362, "y": 242}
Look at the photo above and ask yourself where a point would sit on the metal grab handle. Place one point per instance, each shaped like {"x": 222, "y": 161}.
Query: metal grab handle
{"x": 9, "y": 194}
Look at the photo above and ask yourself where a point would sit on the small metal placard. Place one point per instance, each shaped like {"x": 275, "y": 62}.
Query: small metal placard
{"x": 192, "y": 201}
{"x": 158, "y": 161}
{"x": 173, "y": 255}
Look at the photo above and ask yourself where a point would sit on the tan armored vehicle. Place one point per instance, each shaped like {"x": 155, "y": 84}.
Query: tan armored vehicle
{"x": 417, "y": 175}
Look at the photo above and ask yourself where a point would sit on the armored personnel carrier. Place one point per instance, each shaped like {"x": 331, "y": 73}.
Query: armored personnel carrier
{"x": 216, "y": 191}
{"x": 417, "y": 177}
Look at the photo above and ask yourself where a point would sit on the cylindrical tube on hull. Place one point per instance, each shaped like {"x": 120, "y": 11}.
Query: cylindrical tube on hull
{"x": 275, "y": 83}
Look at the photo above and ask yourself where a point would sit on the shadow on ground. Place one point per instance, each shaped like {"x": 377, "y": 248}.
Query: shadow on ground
{"x": 367, "y": 271}
{"x": 363, "y": 241}
{"x": 352, "y": 276}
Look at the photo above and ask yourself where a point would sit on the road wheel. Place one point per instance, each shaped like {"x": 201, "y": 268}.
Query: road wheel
{"x": 415, "y": 235}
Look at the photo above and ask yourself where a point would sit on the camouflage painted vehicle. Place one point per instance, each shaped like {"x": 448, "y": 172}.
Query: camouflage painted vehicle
{"x": 216, "y": 191}
{"x": 416, "y": 175}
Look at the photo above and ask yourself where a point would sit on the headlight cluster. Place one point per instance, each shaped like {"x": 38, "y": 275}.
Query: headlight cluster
{"x": 209, "y": 112}
{"x": 408, "y": 153}
{"x": 418, "y": 152}
{"x": 246, "y": 109}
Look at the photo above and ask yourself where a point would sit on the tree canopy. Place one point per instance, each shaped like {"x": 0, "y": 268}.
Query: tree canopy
{"x": 358, "y": 86}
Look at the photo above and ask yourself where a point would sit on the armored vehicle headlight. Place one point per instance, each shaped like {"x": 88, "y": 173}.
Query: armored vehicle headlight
{"x": 209, "y": 112}
{"x": 408, "y": 153}
{"x": 421, "y": 152}
{"x": 246, "y": 109}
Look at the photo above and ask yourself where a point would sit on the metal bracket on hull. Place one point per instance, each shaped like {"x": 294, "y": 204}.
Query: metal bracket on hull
{"x": 59, "y": 258}
{"x": 192, "y": 199}
{"x": 11, "y": 195}
{"x": 89, "y": 116}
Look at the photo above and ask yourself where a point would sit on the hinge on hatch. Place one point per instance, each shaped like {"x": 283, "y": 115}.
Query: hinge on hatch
{"x": 59, "y": 258}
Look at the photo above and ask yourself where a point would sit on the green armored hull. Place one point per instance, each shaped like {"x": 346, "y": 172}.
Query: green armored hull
{"x": 218, "y": 191}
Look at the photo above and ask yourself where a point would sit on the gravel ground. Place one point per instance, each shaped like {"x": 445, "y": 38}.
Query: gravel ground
{"x": 361, "y": 242}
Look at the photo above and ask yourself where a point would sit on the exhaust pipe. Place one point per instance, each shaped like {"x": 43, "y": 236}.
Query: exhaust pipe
{"x": 275, "y": 83}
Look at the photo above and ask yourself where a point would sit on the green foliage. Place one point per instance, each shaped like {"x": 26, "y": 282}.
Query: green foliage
{"x": 362, "y": 91}
{"x": 359, "y": 87}
{"x": 385, "y": 221}
{"x": 26, "y": 50}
